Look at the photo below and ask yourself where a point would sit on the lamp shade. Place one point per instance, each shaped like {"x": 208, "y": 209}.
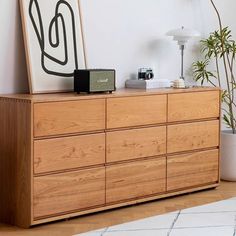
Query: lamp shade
{"x": 182, "y": 35}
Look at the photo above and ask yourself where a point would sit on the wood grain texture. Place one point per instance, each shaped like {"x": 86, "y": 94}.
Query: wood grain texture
{"x": 135, "y": 143}
{"x": 69, "y": 152}
{"x": 56, "y": 97}
{"x": 134, "y": 180}
{"x": 61, "y": 193}
{"x": 189, "y": 170}
{"x": 68, "y": 117}
{"x": 147, "y": 200}
{"x": 26, "y": 43}
{"x": 15, "y": 162}
{"x": 193, "y": 106}
{"x": 135, "y": 111}
{"x": 78, "y": 225}
{"x": 192, "y": 136}
{"x": 67, "y": 125}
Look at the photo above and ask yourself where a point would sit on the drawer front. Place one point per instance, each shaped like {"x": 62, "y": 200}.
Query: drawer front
{"x": 192, "y": 136}
{"x": 136, "y": 143}
{"x": 194, "y": 169}
{"x": 134, "y": 180}
{"x": 68, "y": 153}
{"x": 55, "y": 118}
{"x": 56, "y": 194}
{"x": 135, "y": 111}
{"x": 190, "y": 106}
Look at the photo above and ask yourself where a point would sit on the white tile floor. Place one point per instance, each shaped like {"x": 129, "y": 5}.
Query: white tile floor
{"x": 215, "y": 219}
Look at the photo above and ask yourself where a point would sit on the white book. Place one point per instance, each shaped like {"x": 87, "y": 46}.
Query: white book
{"x": 147, "y": 84}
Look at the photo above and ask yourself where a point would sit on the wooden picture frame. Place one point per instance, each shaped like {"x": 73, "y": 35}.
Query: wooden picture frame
{"x": 54, "y": 43}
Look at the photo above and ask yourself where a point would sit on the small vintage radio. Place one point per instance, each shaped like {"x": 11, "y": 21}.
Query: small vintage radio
{"x": 95, "y": 80}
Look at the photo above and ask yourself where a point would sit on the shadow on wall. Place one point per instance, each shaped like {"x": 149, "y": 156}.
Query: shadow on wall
{"x": 20, "y": 58}
{"x": 13, "y": 72}
{"x": 21, "y": 79}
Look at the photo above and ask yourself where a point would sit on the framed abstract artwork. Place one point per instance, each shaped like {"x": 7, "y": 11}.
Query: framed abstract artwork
{"x": 54, "y": 44}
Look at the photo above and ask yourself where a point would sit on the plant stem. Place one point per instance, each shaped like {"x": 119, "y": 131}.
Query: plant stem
{"x": 232, "y": 76}
{"x": 225, "y": 67}
{"x": 218, "y": 71}
{"x": 212, "y": 83}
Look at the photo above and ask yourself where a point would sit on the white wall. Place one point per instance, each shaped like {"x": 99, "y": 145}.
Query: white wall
{"x": 227, "y": 10}
{"x": 120, "y": 34}
{"x": 13, "y": 76}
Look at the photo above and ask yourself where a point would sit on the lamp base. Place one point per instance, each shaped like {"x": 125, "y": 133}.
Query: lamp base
{"x": 179, "y": 83}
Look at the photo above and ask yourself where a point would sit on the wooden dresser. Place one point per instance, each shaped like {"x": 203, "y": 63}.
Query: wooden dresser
{"x": 64, "y": 155}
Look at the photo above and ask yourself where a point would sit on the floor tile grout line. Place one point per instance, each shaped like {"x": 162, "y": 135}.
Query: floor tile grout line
{"x": 105, "y": 230}
{"x": 134, "y": 230}
{"x": 176, "y": 217}
{"x": 159, "y": 229}
{"x": 193, "y": 227}
{"x": 234, "y": 226}
{"x": 173, "y": 224}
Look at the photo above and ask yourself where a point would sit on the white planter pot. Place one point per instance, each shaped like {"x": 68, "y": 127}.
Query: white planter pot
{"x": 228, "y": 156}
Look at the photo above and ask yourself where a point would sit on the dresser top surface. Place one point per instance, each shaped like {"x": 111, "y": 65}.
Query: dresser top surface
{"x": 119, "y": 93}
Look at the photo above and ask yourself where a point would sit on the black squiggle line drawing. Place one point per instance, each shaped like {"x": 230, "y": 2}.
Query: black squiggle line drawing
{"x": 41, "y": 37}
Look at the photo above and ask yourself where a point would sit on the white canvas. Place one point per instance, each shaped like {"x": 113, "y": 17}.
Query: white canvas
{"x": 53, "y": 42}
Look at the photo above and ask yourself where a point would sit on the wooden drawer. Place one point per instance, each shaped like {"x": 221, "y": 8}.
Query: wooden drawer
{"x": 60, "y": 193}
{"x": 134, "y": 180}
{"x": 194, "y": 169}
{"x": 136, "y": 143}
{"x": 68, "y": 153}
{"x": 192, "y": 136}
{"x": 135, "y": 111}
{"x": 190, "y": 106}
{"x": 55, "y": 118}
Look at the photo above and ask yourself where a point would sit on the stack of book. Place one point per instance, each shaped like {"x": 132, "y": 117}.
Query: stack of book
{"x": 147, "y": 84}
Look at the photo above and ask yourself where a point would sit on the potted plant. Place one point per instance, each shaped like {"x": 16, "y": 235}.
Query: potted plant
{"x": 220, "y": 48}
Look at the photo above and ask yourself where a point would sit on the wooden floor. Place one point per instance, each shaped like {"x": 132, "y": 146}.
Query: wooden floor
{"x": 122, "y": 215}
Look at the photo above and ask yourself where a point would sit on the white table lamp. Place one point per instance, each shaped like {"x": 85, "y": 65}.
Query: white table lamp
{"x": 182, "y": 35}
